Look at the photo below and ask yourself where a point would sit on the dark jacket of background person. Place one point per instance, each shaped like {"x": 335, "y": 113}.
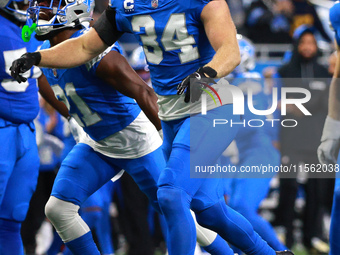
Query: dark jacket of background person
{"x": 308, "y": 74}
{"x": 305, "y": 14}
{"x": 263, "y": 25}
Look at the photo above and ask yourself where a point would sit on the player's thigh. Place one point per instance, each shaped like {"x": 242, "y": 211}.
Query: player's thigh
{"x": 176, "y": 173}
{"x": 170, "y": 129}
{"x": 82, "y": 173}
{"x": 8, "y": 138}
{"x": 209, "y": 140}
{"x": 145, "y": 171}
{"x": 23, "y": 180}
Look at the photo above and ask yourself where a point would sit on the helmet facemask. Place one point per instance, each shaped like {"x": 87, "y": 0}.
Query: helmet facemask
{"x": 59, "y": 14}
{"x": 15, "y": 8}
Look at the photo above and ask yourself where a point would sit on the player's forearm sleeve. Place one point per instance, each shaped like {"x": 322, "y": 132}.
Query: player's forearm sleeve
{"x": 106, "y": 27}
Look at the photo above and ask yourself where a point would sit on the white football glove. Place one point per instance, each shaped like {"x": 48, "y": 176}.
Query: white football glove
{"x": 76, "y": 130}
{"x": 330, "y": 142}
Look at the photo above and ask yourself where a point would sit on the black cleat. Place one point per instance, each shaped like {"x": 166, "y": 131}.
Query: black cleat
{"x": 284, "y": 253}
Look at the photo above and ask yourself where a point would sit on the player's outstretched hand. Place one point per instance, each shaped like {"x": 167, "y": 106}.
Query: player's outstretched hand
{"x": 330, "y": 142}
{"x": 193, "y": 84}
{"x": 328, "y": 151}
{"x": 23, "y": 64}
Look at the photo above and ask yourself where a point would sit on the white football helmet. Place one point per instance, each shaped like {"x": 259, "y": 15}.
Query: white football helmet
{"x": 247, "y": 51}
{"x": 66, "y": 13}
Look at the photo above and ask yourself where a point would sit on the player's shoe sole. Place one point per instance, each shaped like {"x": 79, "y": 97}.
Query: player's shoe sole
{"x": 284, "y": 253}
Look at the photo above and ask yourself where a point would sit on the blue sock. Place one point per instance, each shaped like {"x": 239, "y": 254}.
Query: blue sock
{"x": 234, "y": 228}
{"x": 334, "y": 233}
{"x": 218, "y": 247}
{"x": 10, "y": 238}
{"x": 83, "y": 245}
{"x": 175, "y": 205}
{"x": 103, "y": 231}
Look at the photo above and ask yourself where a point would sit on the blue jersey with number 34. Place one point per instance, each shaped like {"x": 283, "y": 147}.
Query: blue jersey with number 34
{"x": 97, "y": 107}
{"x": 172, "y": 35}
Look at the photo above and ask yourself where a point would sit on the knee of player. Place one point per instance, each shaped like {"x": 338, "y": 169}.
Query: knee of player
{"x": 51, "y": 211}
{"x": 57, "y": 209}
{"x": 170, "y": 198}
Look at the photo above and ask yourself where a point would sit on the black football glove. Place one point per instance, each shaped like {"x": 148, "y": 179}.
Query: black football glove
{"x": 194, "y": 83}
{"x": 23, "y": 64}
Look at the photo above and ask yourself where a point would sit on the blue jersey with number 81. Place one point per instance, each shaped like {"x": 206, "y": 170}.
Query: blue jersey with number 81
{"x": 97, "y": 107}
{"x": 172, "y": 35}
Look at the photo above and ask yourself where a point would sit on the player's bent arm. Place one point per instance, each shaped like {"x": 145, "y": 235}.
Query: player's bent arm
{"x": 334, "y": 91}
{"x": 116, "y": 71}
{"x": 221, "y": 33}
{"x": 330, "y": 139}
{"x": 47, "y": 93}
{"x": 73, "y": 52}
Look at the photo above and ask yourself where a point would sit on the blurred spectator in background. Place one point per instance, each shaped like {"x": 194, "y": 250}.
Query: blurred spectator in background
{"x": 237, "y": 12}
{"x": 274, "y": 21}
{"x": 305, "y": 14}
{"x": 299, "y": 144}
{"x": 269, "y": 21}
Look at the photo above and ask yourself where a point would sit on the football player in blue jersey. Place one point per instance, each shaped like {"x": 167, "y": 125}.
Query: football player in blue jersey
{"x": 179, "y": 40}
{"x": 19, "y": 160}
{"x": 255, "y": 148}
{"x": 328, "y": 150}
{"x": 119, "y": 134}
